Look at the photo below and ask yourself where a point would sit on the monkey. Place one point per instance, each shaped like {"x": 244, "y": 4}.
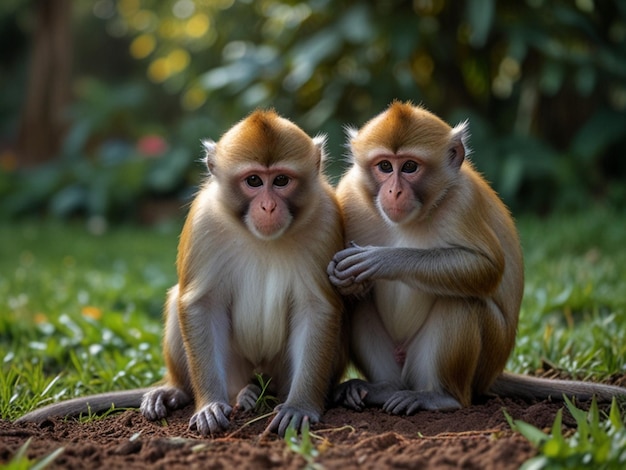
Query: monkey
{"x": 433, "y": 270}
{"x": 252, "y": 295}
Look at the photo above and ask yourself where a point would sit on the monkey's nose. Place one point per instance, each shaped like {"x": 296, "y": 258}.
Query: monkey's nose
{"x": 269, "y": 207}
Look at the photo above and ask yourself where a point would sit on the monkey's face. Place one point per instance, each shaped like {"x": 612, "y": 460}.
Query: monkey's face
{"x": 266, "y": 168}
{"x": 269, "y": 193}
{"x": 408, "y": 158}
{"x": 397, "y": 178}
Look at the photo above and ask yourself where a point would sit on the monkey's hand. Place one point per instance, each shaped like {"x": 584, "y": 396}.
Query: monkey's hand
{"x": 157, "y": 403}
{"x": 248, "y": 397}
{"x": 408, "y": 402}
{"x": 211, "y": 418}
{"x": 351, "y": 394}
{"x": 289, "y": 415}
{"x": 353, "y": 269}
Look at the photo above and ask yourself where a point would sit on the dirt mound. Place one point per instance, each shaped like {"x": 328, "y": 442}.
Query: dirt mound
{"x": 476, "y": 437}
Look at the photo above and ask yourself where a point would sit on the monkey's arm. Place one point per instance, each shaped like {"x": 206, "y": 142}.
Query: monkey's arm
{"x": 89, "y": 404}
{"x": 205, "y": 330}
{"x": 453, "y": 271}
{"x": 314, "y": 357}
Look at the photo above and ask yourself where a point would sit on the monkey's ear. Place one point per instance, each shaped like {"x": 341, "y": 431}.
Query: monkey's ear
{"x": 458, "y": 144}
{"x": 320, "y": 147}
{"x": 351, "y": 133}
{"x": 210, "y": 151}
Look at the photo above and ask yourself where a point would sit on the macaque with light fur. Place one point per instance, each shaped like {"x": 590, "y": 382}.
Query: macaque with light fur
{"x": 435, "y": 271}
{"x": 252, "y": 295}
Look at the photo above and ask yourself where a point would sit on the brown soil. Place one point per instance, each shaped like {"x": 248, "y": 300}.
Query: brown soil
{"x": 476, "y": 437}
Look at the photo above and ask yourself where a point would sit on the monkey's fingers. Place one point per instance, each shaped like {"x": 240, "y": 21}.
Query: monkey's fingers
{"x": 361, "y": 266}
{"x": 340, "y": 282}
{"x": 346, "y": 253}
{"x": 353, "y": 289}
{"x": 247, "y": 397}
{"x": 400, "y": 402}
{"x": 289, "y": 416}
{"x": 335, "y": 273}
{"x": 409, "y": 402}
{"x": 349, "y": 287}
{"x": 156, "y": 403}
{"x": 153, "y": 407}
{"x": 330, "y": 269}
{"x": 351, "y": 394}
{"x": 211, "y": 419}
{"x": 354, "y": 398}
{"x": 285, "y": 423}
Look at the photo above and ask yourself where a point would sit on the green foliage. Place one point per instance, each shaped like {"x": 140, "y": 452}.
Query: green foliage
{"x": 601, "y": 444}
{"x": 302, "y": 444}
{"x": 109, "y": 163}
{"x": 574, "y": 294}
{"x": 514, "y": 67}
{"x": 265, "y": 402}
{"x": 79, "y": 313}
{"x": 21, "y": 462}
{"x": 543, "y": 84}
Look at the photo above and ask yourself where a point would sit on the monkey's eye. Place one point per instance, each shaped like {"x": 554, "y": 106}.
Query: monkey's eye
{"x": 281, "y": 180}
{"x": 254, "y": 181}
{"x": 409, "y": 167}
{"x": 385, "y": 166}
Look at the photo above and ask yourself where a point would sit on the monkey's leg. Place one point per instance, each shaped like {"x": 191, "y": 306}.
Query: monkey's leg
{"x": 374, "y": 354}
{"x": 206, "y": 326}
{"x": 442, "y": 359}
{"x": 309, "y": 356}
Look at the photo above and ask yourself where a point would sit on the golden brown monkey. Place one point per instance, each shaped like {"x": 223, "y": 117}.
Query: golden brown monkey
{"x": 252, "y": 295}
{"x": 436, "y": 268}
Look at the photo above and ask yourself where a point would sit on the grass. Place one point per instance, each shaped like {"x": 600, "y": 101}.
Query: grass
{"x": 598, "y": 441}
{"x": 81, "y": 313}
{"x": 302, "y": 444}
{"x": 574, "y": 309}
{"x": 21, "y": 462}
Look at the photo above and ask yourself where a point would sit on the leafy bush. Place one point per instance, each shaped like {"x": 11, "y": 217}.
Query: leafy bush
{"x": 109, "y": 163}
{"x": 543, "y": 84}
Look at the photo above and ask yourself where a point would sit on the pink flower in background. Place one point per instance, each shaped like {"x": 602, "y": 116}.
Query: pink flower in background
{"x": 151, "y": 145}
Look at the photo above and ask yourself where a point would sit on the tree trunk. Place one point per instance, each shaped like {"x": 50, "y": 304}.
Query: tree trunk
{"x": 43, "y": 118}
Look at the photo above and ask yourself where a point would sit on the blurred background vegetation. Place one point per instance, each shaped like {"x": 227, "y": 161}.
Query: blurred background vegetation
{"x": 103, "y": 103}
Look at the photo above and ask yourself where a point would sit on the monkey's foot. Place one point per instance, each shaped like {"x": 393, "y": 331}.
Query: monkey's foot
{"x": 358, "y": 394}
{"x": 248, "y": 397}
{"x": 351, "y": 394}
{"x": 211, "y": 418}
{"x": 157, "y": 403}
{"x": 294, "y": 416}
{"x": 408, "y": 402}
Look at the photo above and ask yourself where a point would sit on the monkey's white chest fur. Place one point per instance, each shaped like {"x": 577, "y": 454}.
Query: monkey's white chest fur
{"x": 260, "y": 313}
{"x": 403, "y": 309}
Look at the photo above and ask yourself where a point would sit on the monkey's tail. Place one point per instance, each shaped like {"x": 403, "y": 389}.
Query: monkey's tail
{"x": 535, "y": 388}
{"x": 89, "y": 404}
